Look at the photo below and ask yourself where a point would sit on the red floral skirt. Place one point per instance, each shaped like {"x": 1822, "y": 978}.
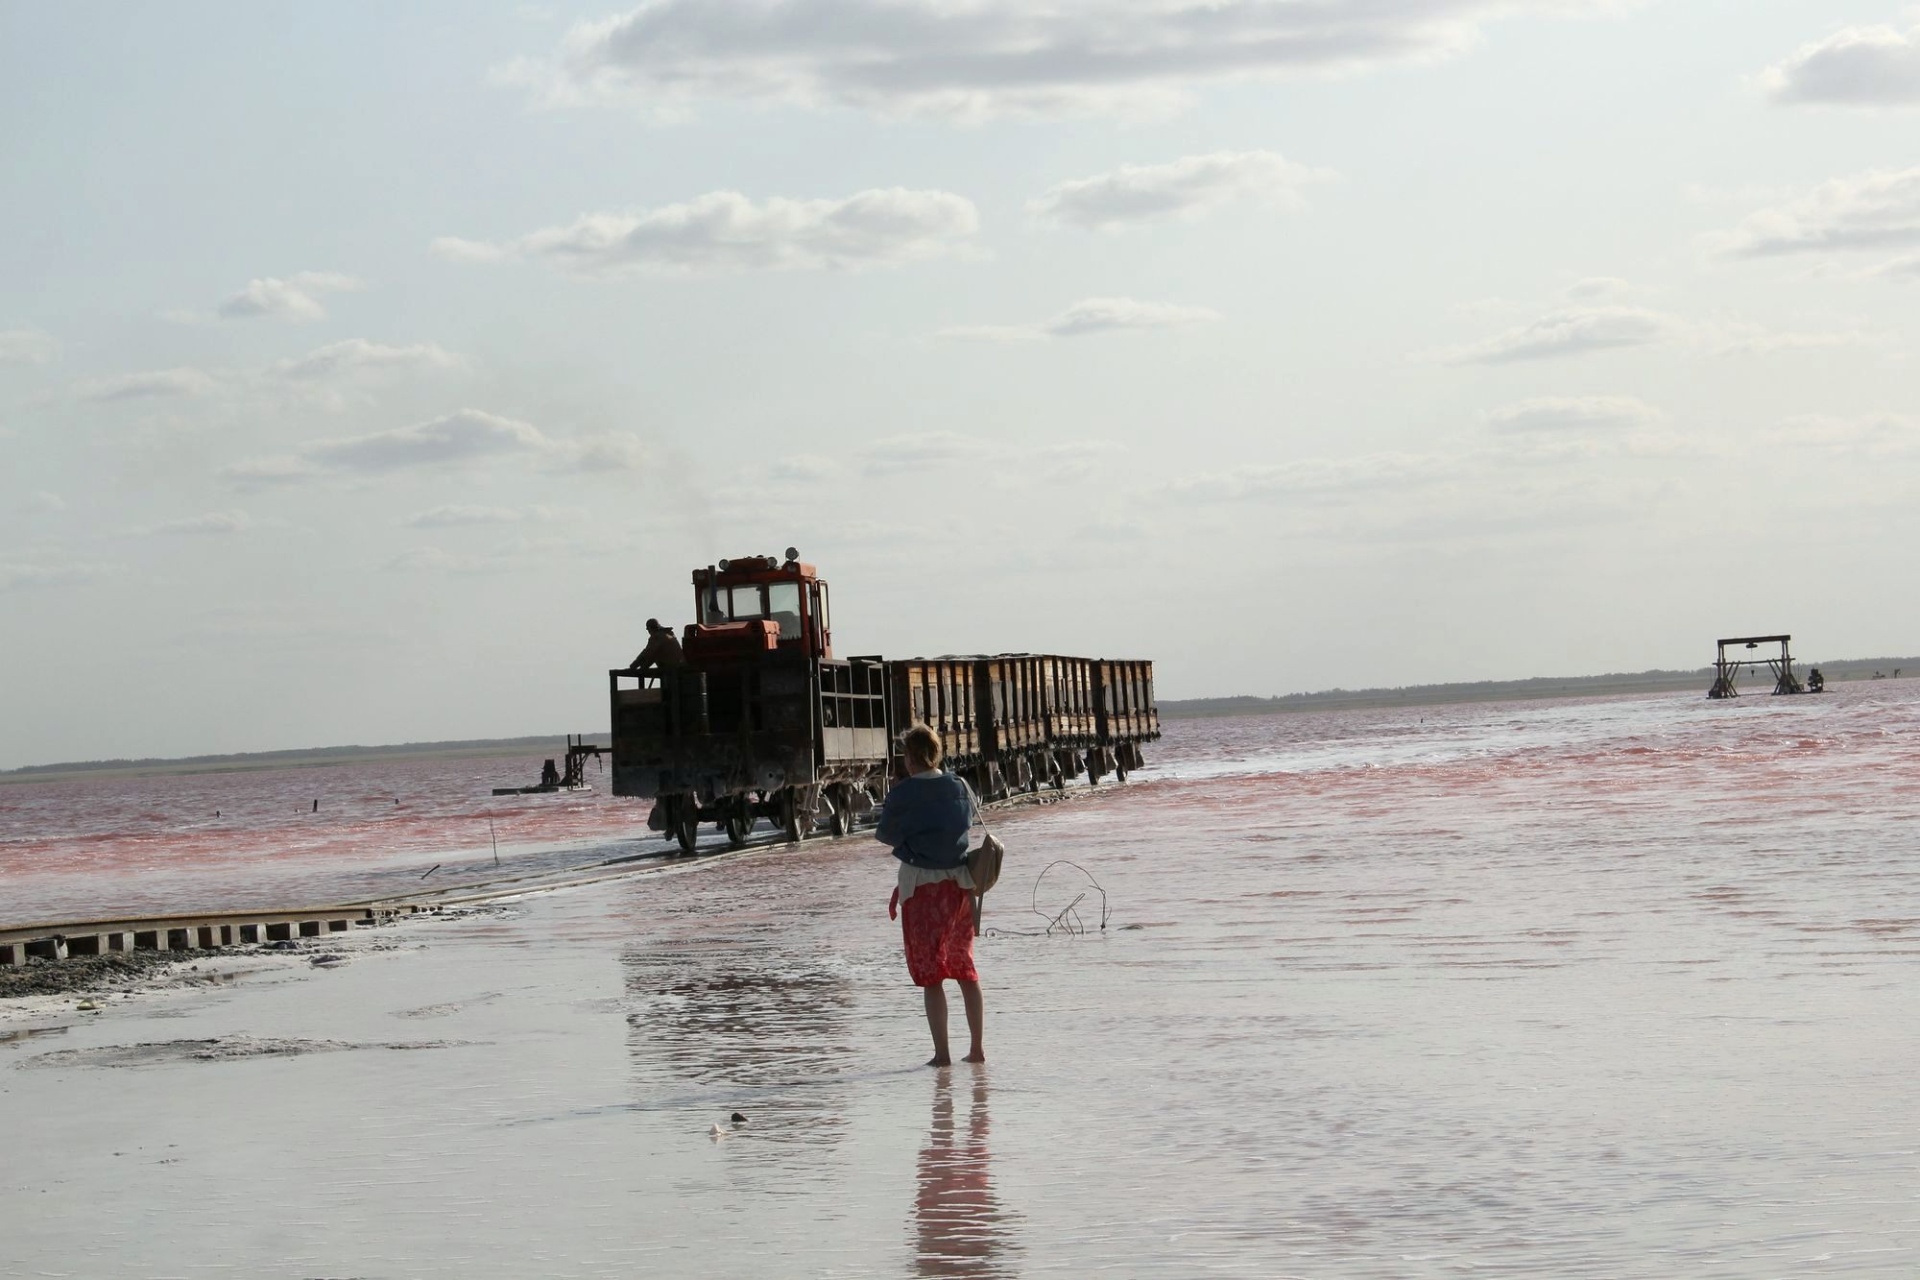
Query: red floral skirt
{"x": 937, "y": 923}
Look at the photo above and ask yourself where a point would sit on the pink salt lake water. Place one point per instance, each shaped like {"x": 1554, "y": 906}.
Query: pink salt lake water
{"x": 1617, "y": 988}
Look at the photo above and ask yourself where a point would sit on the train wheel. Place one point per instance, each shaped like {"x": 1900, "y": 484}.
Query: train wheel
{"x": 791, "y": 820}
{"x": 738, "y": 822}
{"x": 686, "y": 823}
{"x": 842, "y": 820}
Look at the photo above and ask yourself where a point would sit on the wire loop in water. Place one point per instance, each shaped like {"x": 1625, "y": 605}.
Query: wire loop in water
{"x": 1067, "y": 919}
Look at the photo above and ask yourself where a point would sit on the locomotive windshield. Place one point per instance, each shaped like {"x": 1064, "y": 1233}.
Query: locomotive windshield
{"x": 779, "y": 601}
{"x": 783, "y": 606}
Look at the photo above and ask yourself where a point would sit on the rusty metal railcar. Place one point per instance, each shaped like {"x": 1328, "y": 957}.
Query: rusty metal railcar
{"x": 1022, "y": 721}
{"x": 1124, "y": 712}
{"x": 761, "y": 721}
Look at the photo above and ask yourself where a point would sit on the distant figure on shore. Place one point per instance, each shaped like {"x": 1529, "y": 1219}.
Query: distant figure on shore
{"x": 925, "y": 821}
{"x": 662, "y": 651}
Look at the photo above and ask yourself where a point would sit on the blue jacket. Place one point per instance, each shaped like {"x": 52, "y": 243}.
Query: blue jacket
{"x": 926, "y": 819}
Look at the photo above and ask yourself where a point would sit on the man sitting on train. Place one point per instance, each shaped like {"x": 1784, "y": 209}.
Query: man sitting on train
{"x": 662, "y": 650}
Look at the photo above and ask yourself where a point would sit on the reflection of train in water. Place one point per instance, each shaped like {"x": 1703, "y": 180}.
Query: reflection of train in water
{"x": 762, "y": 721}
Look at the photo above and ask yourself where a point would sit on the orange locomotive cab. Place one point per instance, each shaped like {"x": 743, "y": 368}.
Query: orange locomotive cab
{"x": 738, "y": 602}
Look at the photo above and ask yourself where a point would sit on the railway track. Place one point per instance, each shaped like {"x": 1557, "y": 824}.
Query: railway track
{"x": 224, "y": 930}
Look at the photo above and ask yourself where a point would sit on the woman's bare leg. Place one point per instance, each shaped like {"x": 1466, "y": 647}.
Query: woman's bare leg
{"x": 976, "y": 1018}
{"x": 936, "y": 995}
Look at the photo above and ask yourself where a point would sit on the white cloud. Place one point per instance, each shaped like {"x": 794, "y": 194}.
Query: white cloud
{"x": 357, "y": 355}
{"x": 1015, "y": 464}
{"x": 1070, "y": 449}
{"x": 337, "y": 376}
{"x": 26, "y": 346}
{"x": 328, "y": 375}
{"x": 1098, "y": 315}
{"x": 1899, "y": 269}
{"x": 1876, "y": 210}
{"x": 1875, "y": 435}
{"x": 610, "y": 451}
{"x": 1855, "y": 66}
{"x": 1570, "y": 331}
{"x": 1184, "y": 188}
{"x": 1524, "y": 485}
{"x": 1733, "y": 337}
{"x": 1089, "y": 316}
{"x": 1577, "y": 331}
{"x": 463, "y": 437}
{"x": 1068, "y": 462}
{"x": 1597, "y": 287}
{"x": 987, "y": 58}
{"x": 433, "y": 560}
{"x": 725, "y": 231}
{"x": 155, "y": 384}
{"x": 213, "y": 522}
{"x": 521, "y": 553}
{"x": 295, "y": 299}
{"x": 261, "y": 473}
{"x": 457, "y": 249}
{"x": 25, "y": 575}
{"x": 1554, "y": 428}
{"x": 1307, "y": 478}
{"x": 453, "y": 516}
{"x": 924, "y": 449}
{"x": 804, "y": 466}
{"x": 457, "y": 438}
{"x": 1571, "y": 413}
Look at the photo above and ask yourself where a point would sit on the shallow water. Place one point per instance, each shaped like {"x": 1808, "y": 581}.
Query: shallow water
{"x": 1613, "y": 988}
{"x": 86, "y": 847}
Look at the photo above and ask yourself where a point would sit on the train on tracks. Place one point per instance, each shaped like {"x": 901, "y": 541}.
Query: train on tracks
{"x": 759, "y": 719}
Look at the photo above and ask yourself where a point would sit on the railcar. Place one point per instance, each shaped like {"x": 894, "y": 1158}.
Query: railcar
{"x": 761, "y": 720}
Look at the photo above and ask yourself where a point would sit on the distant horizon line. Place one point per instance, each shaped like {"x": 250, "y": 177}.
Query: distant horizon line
{"x": 1652, "y": 680}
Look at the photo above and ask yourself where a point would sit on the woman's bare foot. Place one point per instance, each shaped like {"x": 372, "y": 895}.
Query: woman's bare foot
{"x": 978, "y": 1055}
{"x": 941, "y": 1060}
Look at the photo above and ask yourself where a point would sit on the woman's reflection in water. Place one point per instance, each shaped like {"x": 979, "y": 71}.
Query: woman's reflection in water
{"x": 958, "y": 1224}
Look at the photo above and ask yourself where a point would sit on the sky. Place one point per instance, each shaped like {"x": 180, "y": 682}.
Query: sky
{"x": 370, "y": 373}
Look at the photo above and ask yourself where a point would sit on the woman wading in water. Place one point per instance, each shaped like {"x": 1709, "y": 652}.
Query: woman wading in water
{"x": 925, "y": 822}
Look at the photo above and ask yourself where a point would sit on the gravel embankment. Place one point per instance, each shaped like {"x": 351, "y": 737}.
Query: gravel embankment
{"x": 85, "y": 974}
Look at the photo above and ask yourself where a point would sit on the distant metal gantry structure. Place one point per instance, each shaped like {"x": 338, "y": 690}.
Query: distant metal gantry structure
{"x": 1726, "y": 670}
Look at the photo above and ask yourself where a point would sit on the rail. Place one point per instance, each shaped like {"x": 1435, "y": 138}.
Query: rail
{"x": 220, "y": 930}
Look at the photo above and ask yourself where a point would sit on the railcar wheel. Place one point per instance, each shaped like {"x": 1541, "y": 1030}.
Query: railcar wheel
{"x": 686, "y": 823}
{"x": 738, "y": 822}
{"x": 791, "y": 820}
{"x": 842, "y": 820}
